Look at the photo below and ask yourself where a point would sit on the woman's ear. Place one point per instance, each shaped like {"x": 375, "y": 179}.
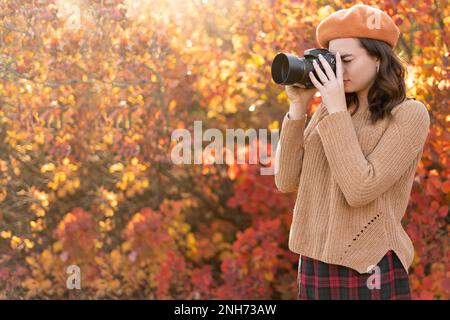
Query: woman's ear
{"x": 377, "y": 63}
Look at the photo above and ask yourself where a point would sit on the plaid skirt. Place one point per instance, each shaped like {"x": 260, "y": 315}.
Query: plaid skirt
{"x": 318, "y": 280}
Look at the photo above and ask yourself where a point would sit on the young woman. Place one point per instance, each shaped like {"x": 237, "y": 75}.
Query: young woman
{"x": 354, "y": 165}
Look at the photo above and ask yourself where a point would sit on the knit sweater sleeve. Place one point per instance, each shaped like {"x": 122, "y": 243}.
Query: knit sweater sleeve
{"x": 364, "y": 178}
{"x": 289, "y": 154}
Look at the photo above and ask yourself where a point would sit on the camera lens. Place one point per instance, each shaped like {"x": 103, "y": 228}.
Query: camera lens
{"x": 280, "y": 68}
{"x": 287, "y": 69}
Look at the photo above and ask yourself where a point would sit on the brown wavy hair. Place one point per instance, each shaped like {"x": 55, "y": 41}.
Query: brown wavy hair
{"x": 388, "y": 89}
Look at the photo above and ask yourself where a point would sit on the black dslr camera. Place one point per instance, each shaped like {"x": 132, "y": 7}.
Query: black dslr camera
{"x": 288, "y": 69}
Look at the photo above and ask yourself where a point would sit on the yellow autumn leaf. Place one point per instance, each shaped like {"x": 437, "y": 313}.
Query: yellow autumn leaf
{"x": 6, "y": 234}
{"x": 274, "y": 125}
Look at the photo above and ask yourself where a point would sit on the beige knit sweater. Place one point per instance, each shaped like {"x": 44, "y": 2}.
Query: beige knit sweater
{"x": 353, "y": 181}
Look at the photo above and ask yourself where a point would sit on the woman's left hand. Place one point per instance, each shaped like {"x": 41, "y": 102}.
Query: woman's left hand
{"x": 332, "y": 90}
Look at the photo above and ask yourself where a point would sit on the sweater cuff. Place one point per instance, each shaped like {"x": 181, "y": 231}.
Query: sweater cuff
{"x": 292, "y": 132}
{"x": 337, "y": 130}
{"x": 339, "y": 140}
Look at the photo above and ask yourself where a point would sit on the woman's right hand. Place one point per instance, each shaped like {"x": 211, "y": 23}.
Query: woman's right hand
{"x": 300, "y": 95}
{"x": 299, "y": 99}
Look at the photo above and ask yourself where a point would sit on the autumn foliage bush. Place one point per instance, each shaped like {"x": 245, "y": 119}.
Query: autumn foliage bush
{"x": 88, "y": 105}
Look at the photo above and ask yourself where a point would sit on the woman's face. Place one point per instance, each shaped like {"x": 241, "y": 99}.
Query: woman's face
{"x": 359, "y": 69}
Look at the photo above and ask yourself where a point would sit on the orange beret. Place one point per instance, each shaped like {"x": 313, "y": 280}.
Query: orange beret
{"x": 358, "y": 21}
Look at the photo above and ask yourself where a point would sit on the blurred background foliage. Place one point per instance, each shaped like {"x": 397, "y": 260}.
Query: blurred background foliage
{"x": 90, "y": 92}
